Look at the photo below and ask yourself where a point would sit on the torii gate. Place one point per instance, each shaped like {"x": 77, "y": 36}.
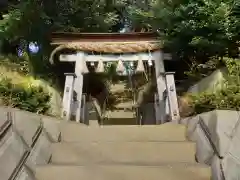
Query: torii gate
{"x": 132, "y": 47}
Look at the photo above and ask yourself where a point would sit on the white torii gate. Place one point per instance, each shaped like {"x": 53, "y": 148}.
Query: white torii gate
{"x": 133, "y": 43}
{"x": 165, "y": 82}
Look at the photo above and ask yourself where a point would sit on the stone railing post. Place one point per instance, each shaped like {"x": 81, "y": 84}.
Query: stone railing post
{"x": 68, "y": 96}
{"x": 172, "y": 97}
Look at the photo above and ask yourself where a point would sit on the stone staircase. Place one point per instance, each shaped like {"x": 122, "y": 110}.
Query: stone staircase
{"x": 123, "y": 151}
{"x": 127, "y": 152}
{"x": 122, "y": 112}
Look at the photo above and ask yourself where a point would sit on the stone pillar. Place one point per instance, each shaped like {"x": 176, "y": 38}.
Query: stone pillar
{"x": 161, "y": 85}
{"x": 68, "y": 96}
{"x": 172, "y": 97}
{"x": 78, "y": 85}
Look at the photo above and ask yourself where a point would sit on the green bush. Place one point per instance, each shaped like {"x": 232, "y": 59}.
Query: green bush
{"x": 225, "y": 98}
{"x": 32, "y": 98}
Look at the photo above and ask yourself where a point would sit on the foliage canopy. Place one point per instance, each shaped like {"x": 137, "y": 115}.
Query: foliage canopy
{"x": 194, "y": 29}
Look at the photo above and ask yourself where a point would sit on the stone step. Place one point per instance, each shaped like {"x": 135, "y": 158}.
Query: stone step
{"x": 123, "y": 172}
{"x": 73, "y": 132}
{"x": 120, "y": 114}
{"x": 120, "y": 117}
{"x": 120, "y": 87}
{"x": 119, "y": 121}
{"x": 126, "y": 104}
{"x": 93, "y": 123}
{"x": 123, "y": 152}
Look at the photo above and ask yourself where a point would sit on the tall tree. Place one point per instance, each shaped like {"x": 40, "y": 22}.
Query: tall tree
{"x": 193, "y": 29}
{"x": 33, "y": 20}
{"x": 28, "y": 17}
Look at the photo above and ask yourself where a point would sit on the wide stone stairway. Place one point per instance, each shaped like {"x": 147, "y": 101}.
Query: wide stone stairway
{"x": 129, "y": 152}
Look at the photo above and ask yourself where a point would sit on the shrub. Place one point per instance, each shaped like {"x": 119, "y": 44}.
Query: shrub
{"x": 227, "y": 97}
{"x": 31, "y": 98}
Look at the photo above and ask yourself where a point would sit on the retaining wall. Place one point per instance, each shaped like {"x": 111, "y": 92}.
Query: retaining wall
{"x": 25, "y": 140}
{"x": 217, "y": 136}
{"x": 210, "y": 83}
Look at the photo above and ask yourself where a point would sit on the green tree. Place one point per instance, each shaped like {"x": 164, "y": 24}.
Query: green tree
{"x": 34, "y": 20}
{"x": 193, "y": 30}
{"x": 31, "y": 18}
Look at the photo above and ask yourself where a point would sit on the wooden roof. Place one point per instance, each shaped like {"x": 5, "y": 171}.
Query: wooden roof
{"x": 105, "y": 42}
{"x": 63, "y": 38}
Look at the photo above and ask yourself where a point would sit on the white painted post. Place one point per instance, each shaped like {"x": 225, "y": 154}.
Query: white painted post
{"x": 68, "y": 96}
{"x": 161, "y": 85}
{"x": 172, "y": 97}
{"x": 78, "y": 85}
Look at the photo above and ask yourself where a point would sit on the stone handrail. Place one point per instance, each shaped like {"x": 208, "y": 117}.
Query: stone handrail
{"x": 213, "y": 146}
{"x": 217, "y": 137}
{"x": 208, "y": 136}
{"x": 5, "y": 126}
{"x": 25, "y": 140}
{"x": 27, "y": 153}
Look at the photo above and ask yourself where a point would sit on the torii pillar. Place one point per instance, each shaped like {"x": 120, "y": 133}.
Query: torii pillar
{"x": 161, "y": 85}
{"x": 165, "y": 85}
{"x": 78, "y": 84}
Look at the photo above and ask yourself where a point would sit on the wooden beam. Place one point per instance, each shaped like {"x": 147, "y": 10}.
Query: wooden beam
{"x": 63, "y": 37}
{"x": 112, "y": 58}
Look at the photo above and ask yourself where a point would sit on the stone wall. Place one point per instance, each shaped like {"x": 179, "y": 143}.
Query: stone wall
{"x": 217, "y": 135}
{"x": 209, "y": 83}
{"x": 25, "y": 140}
